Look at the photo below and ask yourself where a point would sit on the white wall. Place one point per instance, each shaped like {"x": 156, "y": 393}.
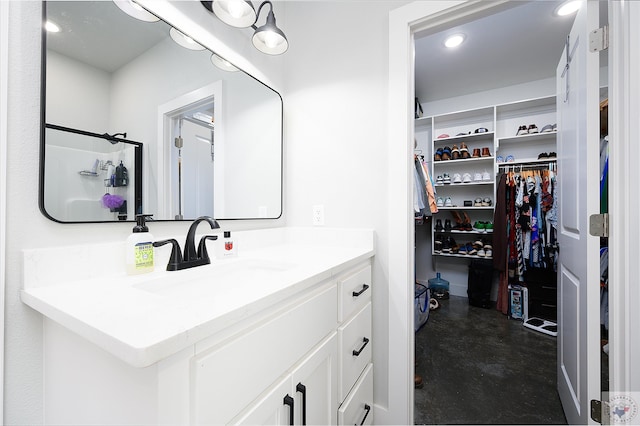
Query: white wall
{"x": 336, "y": 133}
{"x": 28, "y": 228}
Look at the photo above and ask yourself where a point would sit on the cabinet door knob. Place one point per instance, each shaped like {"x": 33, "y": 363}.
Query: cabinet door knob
{"x": 365, "y": 342}
{"x": 358, "y": 293}
{"x": 367, "y": 408}
{"x": 289, "y": 401}
{"x": 303, "y": 390}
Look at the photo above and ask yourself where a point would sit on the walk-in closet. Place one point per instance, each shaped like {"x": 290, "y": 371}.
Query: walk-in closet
{"x": 486, "y": 216}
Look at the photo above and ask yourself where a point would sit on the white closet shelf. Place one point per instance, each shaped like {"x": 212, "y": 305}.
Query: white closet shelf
{"x": 465, "y": 138}
{"x": 465, "y": 208}
{"x": 463, "y": 160}
{"x": 469, "y": 256}
{"x": 455, "y": 231}
{"x": 452, "y": 185}
{"x": 532, "y": 138}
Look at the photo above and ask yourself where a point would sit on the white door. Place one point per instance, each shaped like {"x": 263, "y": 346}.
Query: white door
{"x": 197, "y": 170}
{"x": 578, "y": 266}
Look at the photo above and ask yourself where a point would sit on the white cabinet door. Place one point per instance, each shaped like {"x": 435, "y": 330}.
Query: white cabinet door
{"x": 272, "y": 408}
{"x": 315, "y": 385}
{"x": 305, "y": 396}
{"x": 356, "y": 409}
{"x": 578, "y": 266}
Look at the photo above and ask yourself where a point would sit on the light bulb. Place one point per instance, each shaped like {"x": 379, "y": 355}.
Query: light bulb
{"x": 271, "y": 39}
{"x": 568, "y": 8}
{"x": 236, "y": 8}
{"x": 51, "y": 27}
{"x": 454, "y": 40}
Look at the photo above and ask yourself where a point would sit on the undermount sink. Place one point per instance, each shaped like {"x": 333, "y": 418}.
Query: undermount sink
{"x": 208, "y": 280}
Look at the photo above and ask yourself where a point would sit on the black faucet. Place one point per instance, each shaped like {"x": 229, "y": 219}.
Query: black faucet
{"x": 191, "y": 256}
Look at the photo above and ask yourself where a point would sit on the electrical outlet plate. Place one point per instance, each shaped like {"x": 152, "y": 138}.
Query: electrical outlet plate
{"x": 318, "y": 215}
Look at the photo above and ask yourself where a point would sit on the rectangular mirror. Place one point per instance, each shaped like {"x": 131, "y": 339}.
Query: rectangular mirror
{"x": 210, "y": 140}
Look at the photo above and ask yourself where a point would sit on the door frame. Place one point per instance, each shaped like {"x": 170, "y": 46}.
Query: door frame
{"x": 4, "y": 132}
{"x": 624, "y": 198}
{"x": 395, "y": 391}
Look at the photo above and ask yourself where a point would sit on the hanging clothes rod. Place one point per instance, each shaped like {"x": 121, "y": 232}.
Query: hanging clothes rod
{"x": 534, "y": 165}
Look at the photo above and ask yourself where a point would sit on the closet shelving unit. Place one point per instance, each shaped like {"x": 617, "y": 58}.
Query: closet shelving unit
{"x": 502, "y": 122}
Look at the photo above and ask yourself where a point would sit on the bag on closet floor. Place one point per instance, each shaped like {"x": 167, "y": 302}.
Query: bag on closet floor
{"x": 479, "y": 283}
{"x": 421, "y": 305}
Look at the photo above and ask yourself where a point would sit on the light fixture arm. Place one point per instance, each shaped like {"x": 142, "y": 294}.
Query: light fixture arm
{"x": 258, "y": 13}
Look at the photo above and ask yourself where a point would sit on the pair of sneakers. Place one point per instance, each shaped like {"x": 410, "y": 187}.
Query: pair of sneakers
{"x": 444, "y": 202}
{"x": 483, "y": 226}
{"x": 482, "y": 177}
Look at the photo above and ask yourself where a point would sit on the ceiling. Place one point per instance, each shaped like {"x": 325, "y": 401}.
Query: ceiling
{"x": 520, "y": 44}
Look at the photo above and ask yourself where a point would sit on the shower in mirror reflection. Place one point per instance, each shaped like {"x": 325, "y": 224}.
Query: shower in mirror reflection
{"x": 267, "y": 38}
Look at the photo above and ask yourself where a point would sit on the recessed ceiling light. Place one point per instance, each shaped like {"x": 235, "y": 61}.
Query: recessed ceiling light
{"x": 51, "y": 27}
{"x": 568, "y": 7}
{"x": 134, "y": 10}
{"x": 454, "y": 40}
{"x": 223, "y": 64}
{"x": 184, "y": 40}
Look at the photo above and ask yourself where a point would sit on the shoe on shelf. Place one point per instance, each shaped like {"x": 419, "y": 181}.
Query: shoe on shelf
{"x": 488, "y": 227}
{"x": 455, "y": 153}
{"x": 457, "y": 178}
{"x": 448, "y": 202}
{"x": 499, "y": 159}
{"x": 462, "y": 250}
{"x": 466, "y": 178}
{"x": 481, "y": 130}
{"x": 439, "y": 180}
{"x": 486, "y": 244}
{"x": 446, "y": 153}
{"x": 485, "y": 152}
{"x": 478, "y": 244}
{"x": 446, "y": 245}
{"x": 510, "y": 158}
{"x": 477, "y": 202}
{"x": 447, "y": 225}
{"x": 486, "y": 176}
{"x": 552, "y": 155}
{"x": 439, "y": 202}
{"x": 479, "y": 226}
{"x": 486, "y": 202}
{"x": 446, "y": 178}
{"x": 532, "y": 129}
{"x": 437, "y": 243}
{"x": 481, "y": 252}
{"x": 522, "y": 130}
{"x": 471, "y": 250}
{"x": 477, "y": 177}
{"x": 543, "y": 155}
{"x": 488, "y": 252}
{"x": 438, "y": 155}
{"x": 476, "y": 153}
{"x": 554, "y": 127}
{"x": 546, "y": 129}
{"x": 464, "y": 151}
{"x": 438, "y": 227}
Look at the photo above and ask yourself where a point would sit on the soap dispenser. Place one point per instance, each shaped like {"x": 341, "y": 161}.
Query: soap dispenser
{"x": 139, "y": 248}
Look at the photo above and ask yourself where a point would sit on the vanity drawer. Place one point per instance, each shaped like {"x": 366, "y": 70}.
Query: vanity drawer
{"x": 354, "y": 292}
{"x": 357, "y": 409}
{"x": 354, "y": 349}
{"x": 226, "y": 378}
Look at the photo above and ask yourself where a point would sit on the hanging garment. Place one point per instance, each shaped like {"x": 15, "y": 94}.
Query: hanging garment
{"x": 500, "y": 240}
{"x": 431, "y": 193}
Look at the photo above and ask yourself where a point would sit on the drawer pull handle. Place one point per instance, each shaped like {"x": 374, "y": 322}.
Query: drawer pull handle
{"x": 303, "y": 390}
{"x": 367, "y": 408}
{"x": 289, "y": 401}
{"x": 358, "y": 293}
{"x": 365, "y": 342}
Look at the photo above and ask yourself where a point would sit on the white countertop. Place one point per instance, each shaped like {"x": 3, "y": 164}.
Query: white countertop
{"x": 143, "y": 319}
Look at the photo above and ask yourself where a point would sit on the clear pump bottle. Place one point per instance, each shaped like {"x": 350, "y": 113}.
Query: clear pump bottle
{"x": 139, "y": 248}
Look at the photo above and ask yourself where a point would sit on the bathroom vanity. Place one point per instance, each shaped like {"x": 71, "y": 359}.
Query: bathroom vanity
{"x": 280, "y": 334}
